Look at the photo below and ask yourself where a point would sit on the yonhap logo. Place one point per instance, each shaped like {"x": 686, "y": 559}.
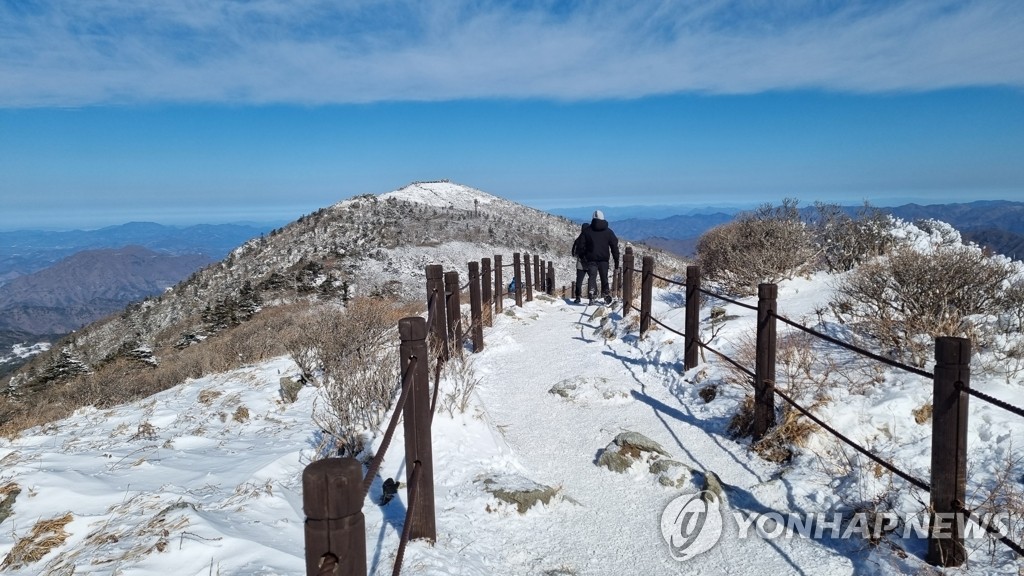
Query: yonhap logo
{"x": 692, "y": 524}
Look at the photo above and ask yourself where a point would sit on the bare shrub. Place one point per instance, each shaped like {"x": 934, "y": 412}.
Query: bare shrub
{"x": 767, "y": 245}
{"x": 1003, "y": 495}
{"x": 352, "y": 353}
{"x": 459, "y": 380}
{"x": 909, "y": 298}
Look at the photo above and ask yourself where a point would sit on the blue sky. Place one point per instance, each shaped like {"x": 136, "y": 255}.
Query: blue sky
{"x": 187, "y": 111}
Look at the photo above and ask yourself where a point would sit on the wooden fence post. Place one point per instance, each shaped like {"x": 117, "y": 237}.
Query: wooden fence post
{"x": 949, "y": 452}
{"x": 692, "y": 321}
{"x": 627, "y": 280}
{"x": 517, "y": 263}
{"x": 475, "y": 307}
{"x": 550, "y": 288}
{"x": 764, "y": 369}
{"x": 454, "y": 308}
{"x": 538, "y": 265}
{"x": 646, "y": 294}
{"x": 332, "y": 499}
{"x": 486, "y": 299}
{"x": 499, "y": 285}
{"x": 417, "y": 417}
{"x": 436, "y": 311}
{"x": 528, "y": 283}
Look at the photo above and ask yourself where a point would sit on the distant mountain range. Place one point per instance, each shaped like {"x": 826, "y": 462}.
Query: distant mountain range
{"x": 26, "y": 251}
{"x": 54, "y": 282}
{"x": 88, "y": 285}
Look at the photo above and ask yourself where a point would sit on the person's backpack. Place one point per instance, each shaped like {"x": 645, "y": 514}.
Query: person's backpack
{"x": 512, "y": 286}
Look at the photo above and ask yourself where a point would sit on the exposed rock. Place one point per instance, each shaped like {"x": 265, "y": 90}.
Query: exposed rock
{"x": 671, "y": 473}
{"x": 627, "y": 448}
{"x": 518, "y": 490}
{"x": 565, "y": 388}
{"x": 712, "y": 483}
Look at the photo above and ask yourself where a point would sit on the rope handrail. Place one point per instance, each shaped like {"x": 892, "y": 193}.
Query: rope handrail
{"x": 375, "y": 463}
{"x": 738, "y": 366}
{"x": 991, "y": 530}
{"x": 853, "y": 348}
{"x": 916, "y": 482}
{"x": 414, "y": 477}
{"x": 992, "y": 400}
{"x": 672, "y": 330}
{"x": 676, "y": 282}
{"x": 726, "y": 299}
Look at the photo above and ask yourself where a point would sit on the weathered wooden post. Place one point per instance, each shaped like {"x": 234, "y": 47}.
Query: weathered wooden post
{"x": 518, "y": 265}
{"x": 475, "y": 308}
{"x": 646, "y": 294}
{"x": 627, "y": 280}
{"x": 486, "y": 299}
{"x": 417, "y": 417}
{"x": 764, "y": 370}
{"x": 550, "y": 288}
{"x": 454, "y": 308}
{"x": 537, "y": 264}
{"x": 529, "y": 281}
{"x": 436, "y": 314}
{"x": 332, "y": 499}
{"x": 949, "y": 451}
{"x": 499, "y": 285}
{"x": 692, "y": 321}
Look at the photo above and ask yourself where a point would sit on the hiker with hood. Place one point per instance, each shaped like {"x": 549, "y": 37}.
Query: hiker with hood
{"x": 601, "y": 245}
{"x": 579, "y": 252}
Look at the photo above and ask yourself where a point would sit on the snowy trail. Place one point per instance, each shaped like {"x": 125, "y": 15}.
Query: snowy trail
{"x": 615, "y": 526}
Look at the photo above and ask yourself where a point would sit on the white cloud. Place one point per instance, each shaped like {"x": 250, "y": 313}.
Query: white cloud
{"x": 311, "y": 52}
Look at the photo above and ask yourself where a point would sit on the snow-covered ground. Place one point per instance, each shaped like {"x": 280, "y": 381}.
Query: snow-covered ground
{"x": 205, "y": 478}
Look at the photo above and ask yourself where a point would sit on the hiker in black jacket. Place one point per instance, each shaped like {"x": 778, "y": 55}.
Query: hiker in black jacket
{"x": 579, "y": 252}
{"x": 600, "y": 241}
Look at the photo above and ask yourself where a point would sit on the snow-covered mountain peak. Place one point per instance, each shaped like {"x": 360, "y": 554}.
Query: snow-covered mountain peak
{"x": 443, "y": 194}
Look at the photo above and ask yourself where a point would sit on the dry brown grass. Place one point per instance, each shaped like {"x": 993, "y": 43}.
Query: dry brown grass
{"x": 241, "y": 414}
{"x": 206, "y": 397}
{"x": 922, "y": 413}
{"x": 44, "y": 537}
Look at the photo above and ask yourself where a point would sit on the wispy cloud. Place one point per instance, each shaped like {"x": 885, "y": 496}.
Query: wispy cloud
{"x": 57, "y": 53}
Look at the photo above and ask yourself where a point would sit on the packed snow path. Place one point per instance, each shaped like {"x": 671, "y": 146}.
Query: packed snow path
{"x": 608, "y": 522}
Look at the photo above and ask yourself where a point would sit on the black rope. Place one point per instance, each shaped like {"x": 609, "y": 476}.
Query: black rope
{"x": 676, "y": 282}
{"x": 991, "y": 400}
{"x": 991, "y": 530}
{"x": 466, "y": 285}
{"x": 656, "y": 321}
{"x": 371, "y": 471}
{"x": 413, "y": 484}
{"x": 729, "y": 300}
{"x": 853, "y": 348}
{"x": 919, "y": 483}
{"x": 437, "y": 385}
{"x": 738, "y": 366}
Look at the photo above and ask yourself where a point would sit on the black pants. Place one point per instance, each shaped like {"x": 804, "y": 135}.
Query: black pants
{"x": 594, "y": 268}
{"x": 580, "y": 274}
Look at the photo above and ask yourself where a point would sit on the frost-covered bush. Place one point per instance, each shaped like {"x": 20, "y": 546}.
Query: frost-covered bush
{"x": 767, "y": 245}
{"x": 844, "y": 241}
{"x": 928, "y": 286}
